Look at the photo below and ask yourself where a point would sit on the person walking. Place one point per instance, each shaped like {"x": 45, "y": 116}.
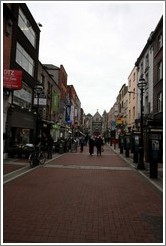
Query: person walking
{"x": 82, "y": 141}
{"x": 91, "y": 145}
{"x": 99, "y": 144}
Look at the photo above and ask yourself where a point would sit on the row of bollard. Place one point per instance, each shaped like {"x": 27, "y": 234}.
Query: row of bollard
{"x": 127, "y": 144}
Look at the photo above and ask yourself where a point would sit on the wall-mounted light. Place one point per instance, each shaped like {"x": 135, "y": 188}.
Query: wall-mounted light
{"x": 39, "y": 24}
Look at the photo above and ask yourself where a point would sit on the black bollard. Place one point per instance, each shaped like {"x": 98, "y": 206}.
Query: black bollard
{"x": 135, "y": 157}
{"x": 127, "y": 152}
{"x": 153, "y": 169}
{"x": 121, "y": 150}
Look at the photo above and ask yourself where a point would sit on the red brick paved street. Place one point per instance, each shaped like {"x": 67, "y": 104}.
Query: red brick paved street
{"x": 76, "y": 198}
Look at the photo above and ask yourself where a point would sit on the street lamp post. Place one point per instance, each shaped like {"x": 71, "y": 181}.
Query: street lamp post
{"x": 141, "y": 85}
{"x": 38, "y": 89}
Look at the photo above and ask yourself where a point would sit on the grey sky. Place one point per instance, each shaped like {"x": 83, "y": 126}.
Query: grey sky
{"x": 98, "y": 43}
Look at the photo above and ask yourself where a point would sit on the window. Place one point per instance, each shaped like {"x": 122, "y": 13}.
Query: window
{"x": 129, "y": 97}
{"x": 130, "y": 83}
{"x": 133, "y": 112}
{"x": 147, "y": 80}
{"x": 147, "y": 61}
{"x": 8, "y": 27}
{"x": 129, "y": 114}
{"x": 160, "y": 71}
{"x": 26, "y": 28}
{"x": 146, "y": 105}
{"x": 141, "y": 69}
{"x": 134, "y": 93}
{"x": 23, "y": 97}
{"x": 160, "y": 41}
{"x": 159, "y": 102}
{"x": 42, "y": 79}
{"x": 24, "y": 60}
{"x": 133, "y": 76}
{"x": 149, "y": 107}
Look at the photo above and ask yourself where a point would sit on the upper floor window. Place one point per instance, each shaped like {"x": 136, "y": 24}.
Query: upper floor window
{"x": 160, "y": 41}
{"x": 129, "y": 97}
{"x": 141, "y": 69}
{"x": 24, "y": 60}
{"x": 130, "y": 83}
{"x": 159, "y": 70}
{"x": 129, "y": 114}
{"x": 134, "y": 93}
{"x": 42, "y": 79}
{"x": 147, "y": 80}
{"x": 147, "y": 61}
{"x": 26, "y": 28}
{"x": 159, "y": 102}
{"x": 8, "y": 26}
{"x": 133, "y": 112}
{"x": 133, "y": 76}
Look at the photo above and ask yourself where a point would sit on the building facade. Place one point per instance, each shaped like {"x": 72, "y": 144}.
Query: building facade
{"x": 23, "y": 36}
{"x": 157, "y": 39}
{"x": 132, "y": 99}
{"x": 97, "y": 124}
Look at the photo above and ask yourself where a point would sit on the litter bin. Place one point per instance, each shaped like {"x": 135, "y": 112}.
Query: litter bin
{"x": 121, "y": 143}
{"x": 154, "y": 147}
{"x": 127, "y": 144}
{"x": 135, "y": 143}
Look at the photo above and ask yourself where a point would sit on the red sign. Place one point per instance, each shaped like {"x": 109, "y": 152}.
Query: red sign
{"x": 12, "y": 79}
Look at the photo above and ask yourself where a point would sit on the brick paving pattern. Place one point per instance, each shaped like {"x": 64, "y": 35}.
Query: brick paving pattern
{"x": 82, "y": 205}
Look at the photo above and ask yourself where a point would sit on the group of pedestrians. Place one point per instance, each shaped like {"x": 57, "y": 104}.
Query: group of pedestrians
{"x": 96, "y": 142}
{"x": 47, "y": 142}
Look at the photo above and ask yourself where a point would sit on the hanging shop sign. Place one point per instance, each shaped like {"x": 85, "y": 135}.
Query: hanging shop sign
{"x": 12, "y": 79}
{"x": 40, "y": 100}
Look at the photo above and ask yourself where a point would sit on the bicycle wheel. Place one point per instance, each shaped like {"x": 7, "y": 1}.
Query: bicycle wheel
{"x": 32, "y": 159}
{"x": 42, "y": 158}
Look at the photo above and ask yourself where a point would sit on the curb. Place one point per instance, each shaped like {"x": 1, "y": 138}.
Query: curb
{"x": 129, "y": 161}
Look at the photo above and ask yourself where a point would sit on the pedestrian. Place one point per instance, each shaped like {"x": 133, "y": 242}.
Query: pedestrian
{"x": 91, "y": 145}
{"x": 99, "y": 145}
{"x": 43, "y": 142}
{"x": 82, "y": 141}
{"x": 50, "y": 143}
{"x": 69, "y": 144}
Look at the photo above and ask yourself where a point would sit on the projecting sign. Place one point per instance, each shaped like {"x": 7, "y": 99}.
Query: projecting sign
{"x": 41, "y": 100}
{"x": 12, "y": 79}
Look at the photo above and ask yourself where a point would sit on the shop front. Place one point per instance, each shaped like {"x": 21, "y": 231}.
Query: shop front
{"x": 20, "y": 127}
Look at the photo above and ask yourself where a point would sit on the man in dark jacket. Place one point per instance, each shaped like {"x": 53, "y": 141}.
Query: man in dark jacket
{"x": 99, "y": 144}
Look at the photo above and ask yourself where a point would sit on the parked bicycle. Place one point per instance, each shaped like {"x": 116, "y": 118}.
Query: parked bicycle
{"x": 37, "y": 157}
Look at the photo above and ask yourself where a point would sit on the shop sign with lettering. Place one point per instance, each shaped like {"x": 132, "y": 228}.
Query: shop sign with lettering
{"x": 12, "y": 79}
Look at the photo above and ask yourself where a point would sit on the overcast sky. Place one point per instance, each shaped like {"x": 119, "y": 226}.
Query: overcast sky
{"x": 97, "y": 42}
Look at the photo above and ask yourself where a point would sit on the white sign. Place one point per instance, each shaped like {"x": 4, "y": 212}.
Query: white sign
{"x": 40, "y": 101}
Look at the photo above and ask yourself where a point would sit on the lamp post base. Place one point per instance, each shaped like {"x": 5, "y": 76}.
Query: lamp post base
{"x": 141, "y": 166}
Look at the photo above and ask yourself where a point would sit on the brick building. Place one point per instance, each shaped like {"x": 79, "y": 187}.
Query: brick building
{"x": 20, "y": 53}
